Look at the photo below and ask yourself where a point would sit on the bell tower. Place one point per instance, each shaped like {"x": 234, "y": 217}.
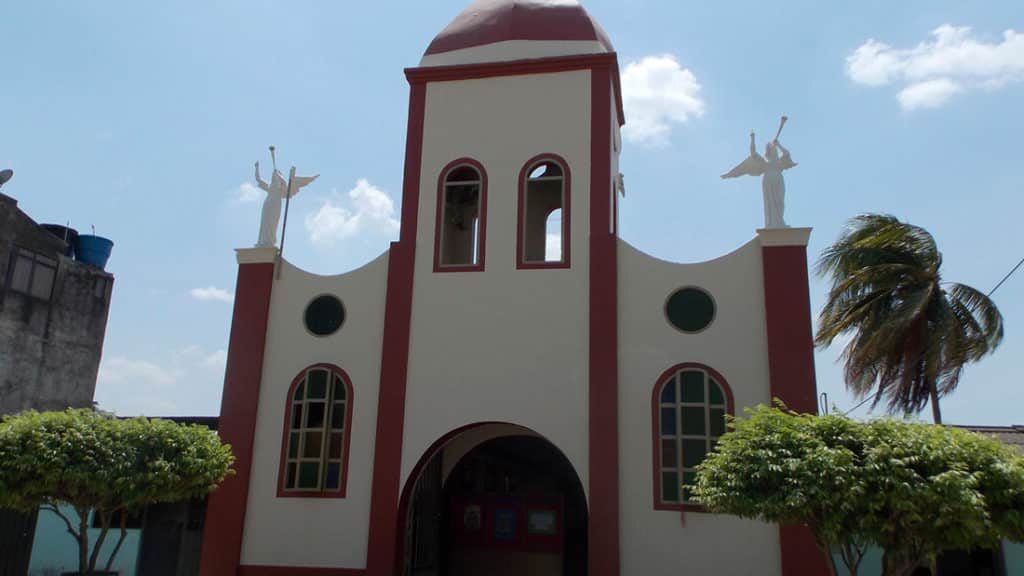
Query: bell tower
{"x": 508, "y": 223}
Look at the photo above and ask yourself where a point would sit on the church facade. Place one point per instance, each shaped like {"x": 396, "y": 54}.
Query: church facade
{"x": 511, "y": 388}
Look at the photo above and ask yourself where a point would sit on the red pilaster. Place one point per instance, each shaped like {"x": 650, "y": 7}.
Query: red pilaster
{"x": 791, "y": 362}
{"x": 387, "y": 456}
{"x": 603, "y": 364}
{"x": 225, "y": 516}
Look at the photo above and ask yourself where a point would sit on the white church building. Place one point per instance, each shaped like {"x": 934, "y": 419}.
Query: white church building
{"x": 482, "y": 400}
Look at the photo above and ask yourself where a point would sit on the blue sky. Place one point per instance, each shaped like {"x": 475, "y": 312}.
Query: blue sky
{"x": 144, "y": 120}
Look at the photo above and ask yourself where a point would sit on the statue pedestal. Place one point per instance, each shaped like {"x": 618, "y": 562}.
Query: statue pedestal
{"x": 783, "y": 236}
{"x": 257, "y": 255}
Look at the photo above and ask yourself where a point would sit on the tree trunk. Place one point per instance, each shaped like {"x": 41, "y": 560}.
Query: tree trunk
{"x": 936, "y": 411}
{"x": 104, "y": 528}
{"x": 83, "y": 540}
{"x": 830, "y": 560}
{"x": 124, "y": 534}
{"x": 898, "y": 564}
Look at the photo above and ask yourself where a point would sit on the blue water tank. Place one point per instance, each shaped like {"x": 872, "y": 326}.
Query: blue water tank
{"x": 93, "y": 250}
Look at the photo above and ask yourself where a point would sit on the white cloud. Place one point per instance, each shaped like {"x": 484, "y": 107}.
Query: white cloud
{"x": 188, "y": 382}
{"x": 211, "y": 294}
{"x": 216, "y": 360}
{"x": 369, "y": 209}
{"x": 118, "y": 369}
{"x": 928, "y": 94}
{"x": 246, "y": 193}
{"x": 657, "y": 93}
{"x": 951, "y": 61}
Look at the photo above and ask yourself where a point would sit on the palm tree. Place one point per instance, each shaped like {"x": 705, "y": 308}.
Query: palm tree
{"x": 911, "y": 334}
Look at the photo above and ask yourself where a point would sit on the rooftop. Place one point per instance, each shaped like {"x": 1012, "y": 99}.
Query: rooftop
{"x": 501, "y": 30}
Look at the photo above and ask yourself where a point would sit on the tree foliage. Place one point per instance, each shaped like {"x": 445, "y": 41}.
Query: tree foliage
{"x": 911, "y": 333}
{"x": 912, "y": 489}
{"x": 93, "y": 462}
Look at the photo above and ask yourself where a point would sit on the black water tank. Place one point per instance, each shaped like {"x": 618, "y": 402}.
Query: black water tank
{"x": 69, "y": 235}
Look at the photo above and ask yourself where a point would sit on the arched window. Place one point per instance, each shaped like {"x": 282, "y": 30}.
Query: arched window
{"x": 690, "y": 402}
{"x": 314, "y": 454}
{"x": 461, "y": 217}
{"x": 544, "y": 215}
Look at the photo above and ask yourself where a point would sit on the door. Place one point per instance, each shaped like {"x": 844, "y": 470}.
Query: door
{"x": 428, "y": 505}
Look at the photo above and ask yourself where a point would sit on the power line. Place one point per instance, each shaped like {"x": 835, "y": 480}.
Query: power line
{"x": 1007, "y": 277}
{"x": 863, "y": 402}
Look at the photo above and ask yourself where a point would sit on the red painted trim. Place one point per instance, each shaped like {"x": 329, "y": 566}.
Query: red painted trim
{"x": 387, "y": 457}
{"x": 788, "y": 318}
{"x": 251, "y": 570}
{"x": 550, "y": 65}
{"x": 439, "y": 213}
{"x": 730, "y": 408}
{"x": 349, "y": 402}
{"x": 488, "y": 22}
{"x": 225, "y": 520}
{"x": 603, "y": 365}
{"x": 791, "y": 370}
{"x": 524, "y": 174}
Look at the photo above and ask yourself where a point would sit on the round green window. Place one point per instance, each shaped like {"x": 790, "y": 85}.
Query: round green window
{"x": 324, "y": 315}
{"x": 690, "y": 309}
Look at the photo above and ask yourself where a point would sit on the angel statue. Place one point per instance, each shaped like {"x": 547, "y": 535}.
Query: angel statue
{"x": 277, "y": 190}
{"x": 770, "y": 168}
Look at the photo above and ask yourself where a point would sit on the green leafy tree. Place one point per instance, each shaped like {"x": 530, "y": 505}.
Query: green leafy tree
{"x": 935, "y": 488}
{"x": 911, "y": 333}
{"x": 912, "y": 489}
{"x": 91, "y": 462}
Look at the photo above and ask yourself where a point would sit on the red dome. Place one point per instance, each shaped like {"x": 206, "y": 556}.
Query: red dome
{"x": 490, "y": 21}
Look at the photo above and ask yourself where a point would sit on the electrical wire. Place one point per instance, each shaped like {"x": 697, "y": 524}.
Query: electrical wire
{"x": 862, "y": 402}
{"x": 1007, "y": 277}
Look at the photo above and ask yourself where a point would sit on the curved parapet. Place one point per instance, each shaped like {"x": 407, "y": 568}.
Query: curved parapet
{"x": 354, "y": 345}
{"x": 733, "y": 346}
{"x": 734, "y": 342}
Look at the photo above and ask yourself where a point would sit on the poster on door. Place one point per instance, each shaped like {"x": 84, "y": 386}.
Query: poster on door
{"x": 504, "y": 524}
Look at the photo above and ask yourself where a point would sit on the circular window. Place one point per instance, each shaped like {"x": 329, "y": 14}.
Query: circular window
{"x": 690, "y": 309}
{"x": 324, "y": 315}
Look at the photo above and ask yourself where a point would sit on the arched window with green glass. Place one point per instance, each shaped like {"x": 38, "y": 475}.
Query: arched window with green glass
{"x": 317, "y": 431}
{"x": 689, "y": 405}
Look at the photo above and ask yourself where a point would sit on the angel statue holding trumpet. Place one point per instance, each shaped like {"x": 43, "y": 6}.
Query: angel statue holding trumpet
{"x": 769, "y": 167}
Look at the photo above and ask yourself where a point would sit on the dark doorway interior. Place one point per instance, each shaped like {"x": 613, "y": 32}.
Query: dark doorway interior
{"x": 171, "y": 537}
{"x": 980, "y": 562}
{"x": 511, "y": 506}
{"x": 17, "y": 531}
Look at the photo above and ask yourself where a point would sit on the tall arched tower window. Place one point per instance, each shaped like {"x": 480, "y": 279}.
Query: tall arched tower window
{"x": 544, "y": 213}
{"x": 459, "y": 243}
{"x": 689, "y": 405}
{"x": 317, "y": 431}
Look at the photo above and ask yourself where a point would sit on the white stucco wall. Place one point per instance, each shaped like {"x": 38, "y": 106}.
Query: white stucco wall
{"x": 317, "y": 532}
{"x": 502, "y": 345}
{"x": 655, "y": 542}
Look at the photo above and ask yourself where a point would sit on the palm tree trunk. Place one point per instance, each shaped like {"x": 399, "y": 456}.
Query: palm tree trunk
{"x": 933, "y": 391}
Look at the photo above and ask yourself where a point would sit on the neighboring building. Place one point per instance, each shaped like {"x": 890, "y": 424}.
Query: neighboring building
{"x": 1009, "y": 435}
{"x": 53, "y": 315}
{"x": 511, "y": 388}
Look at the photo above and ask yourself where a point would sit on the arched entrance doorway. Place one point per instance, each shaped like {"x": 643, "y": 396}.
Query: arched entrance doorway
{"x": 494, "y": 499}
